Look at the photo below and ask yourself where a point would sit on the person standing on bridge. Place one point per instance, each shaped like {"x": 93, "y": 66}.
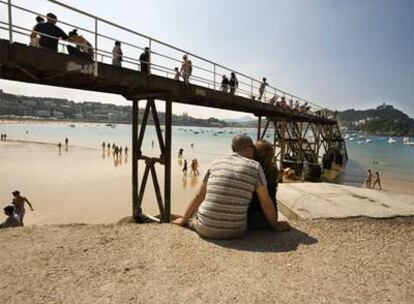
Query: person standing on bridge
{"x": 225, "y": 84}
{"x": 144, "y": 60}
{"x": 34, "y": 37}
{"x": 186, "y": 69}
{"x": 234, "y": 84}
{"x": 83, "y": 47}
{"x": 117, "y": 54}
{"x": 262, "y": 88}
{"x": 177, "y": 74}
{"x": 50, "y": 29}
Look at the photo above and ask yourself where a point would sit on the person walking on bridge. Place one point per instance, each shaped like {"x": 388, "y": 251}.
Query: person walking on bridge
{"x": 225, "y": 84}
{"x": 186, "y": 69}
{"x": 234, "y": 84}
{"x": 117, "y": 54}
{"x": 144, "y": 60}
{"x": 83, "y": 47}
{"x": 177, "y": 74}
{"x": 262, "y": 88}
{"x": 34, "y": 37}
{"x": 51, "y": 33}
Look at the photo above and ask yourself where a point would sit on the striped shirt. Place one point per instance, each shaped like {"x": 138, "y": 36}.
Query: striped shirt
{"x": 230, "y": 185}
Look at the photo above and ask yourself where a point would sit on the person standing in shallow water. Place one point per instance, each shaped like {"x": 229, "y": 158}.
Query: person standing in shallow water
{"x": 180, "y": 153}
{"x": 368, "y": 179}
{"x": 185, "y": 167}
{"x": 66, "y": 142}
{"x": 377, "y": 181}
{"x": 18, "y": 203}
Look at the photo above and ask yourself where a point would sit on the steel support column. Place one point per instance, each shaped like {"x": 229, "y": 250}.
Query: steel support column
{"x": 135, "y": 111}
{"x": 167, "y": 162}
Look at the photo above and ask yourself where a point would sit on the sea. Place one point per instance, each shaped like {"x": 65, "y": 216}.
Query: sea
{"x": 86, "y": 184}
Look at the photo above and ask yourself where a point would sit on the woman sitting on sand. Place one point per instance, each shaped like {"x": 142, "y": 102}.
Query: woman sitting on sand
{"x": 264, "y": 154}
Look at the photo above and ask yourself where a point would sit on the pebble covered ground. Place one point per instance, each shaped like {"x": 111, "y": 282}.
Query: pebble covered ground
{"x": 324, "y": 261}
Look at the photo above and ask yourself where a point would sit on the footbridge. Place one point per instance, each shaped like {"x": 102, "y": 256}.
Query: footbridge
{"x": 302, "y": 130}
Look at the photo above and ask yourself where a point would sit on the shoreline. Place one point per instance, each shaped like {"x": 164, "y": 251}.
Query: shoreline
{"x": 391, "y": 181}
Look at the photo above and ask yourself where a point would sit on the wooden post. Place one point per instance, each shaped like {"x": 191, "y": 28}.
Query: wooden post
{"x": 135, "y": 111}
{"x": 167, "y": 160}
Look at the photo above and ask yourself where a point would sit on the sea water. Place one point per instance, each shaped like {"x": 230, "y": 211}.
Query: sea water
{"x": 85, "y": 184}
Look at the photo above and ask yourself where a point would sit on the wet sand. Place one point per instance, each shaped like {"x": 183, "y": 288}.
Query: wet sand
{"x": 84, "y": 185}
{"x": 327, "y": 261}
{"x": 80, "y": 185}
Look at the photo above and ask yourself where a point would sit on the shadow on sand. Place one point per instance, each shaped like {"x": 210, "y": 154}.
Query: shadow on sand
{"x": 268, "y": 241}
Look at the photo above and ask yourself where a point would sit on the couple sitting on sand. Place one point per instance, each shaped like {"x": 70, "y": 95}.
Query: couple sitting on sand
{"x": 236, "y": 194}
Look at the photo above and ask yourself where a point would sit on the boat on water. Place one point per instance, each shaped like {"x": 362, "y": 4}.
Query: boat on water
{"x": 351, "y": 138}
{"x": 72, "y": 126}
{"x": 346, "y": 136}
{"x": 406, "y": 141}
{"x": 391, "y": 140}
{"x": 111, "y": 125}
{"x": 368, "y": 140}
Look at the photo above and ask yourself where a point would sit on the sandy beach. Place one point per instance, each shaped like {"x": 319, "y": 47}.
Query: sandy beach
{"x": 325, "y": 261}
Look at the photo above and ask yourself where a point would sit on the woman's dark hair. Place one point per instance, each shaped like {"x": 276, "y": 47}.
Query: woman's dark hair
{"x": 40, "y": 19}
{"x": 264, "y": 154}
{"x": 9, "y": 209}
{"x": 117, "y": 43}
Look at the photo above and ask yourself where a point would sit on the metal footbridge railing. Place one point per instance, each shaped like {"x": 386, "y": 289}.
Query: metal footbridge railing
{"x": 18, "y": 17}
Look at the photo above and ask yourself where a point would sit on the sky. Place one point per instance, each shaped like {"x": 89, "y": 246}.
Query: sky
{"x": 339, "y": 54}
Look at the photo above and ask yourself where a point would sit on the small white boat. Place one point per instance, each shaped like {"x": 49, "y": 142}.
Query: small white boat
{"x": 346, "y": 136}
{"x": 360, "y": 142}
{"x": 391, "y": 140}
{"x": 361, "y": 136}
{"x": 351, "y": 138}
{"x": 406, "y": 141}
{"x": 368, "y": 140}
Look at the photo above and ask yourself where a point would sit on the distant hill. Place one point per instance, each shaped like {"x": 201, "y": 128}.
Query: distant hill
{"x": 384, "y": 120}
{"x": 19, "y": 106}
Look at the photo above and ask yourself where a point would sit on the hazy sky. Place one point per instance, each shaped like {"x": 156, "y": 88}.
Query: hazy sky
{"x": 340, "y": 54}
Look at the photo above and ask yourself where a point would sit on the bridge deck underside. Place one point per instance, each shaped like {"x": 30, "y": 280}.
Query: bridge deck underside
{"x": 34, "y": 65}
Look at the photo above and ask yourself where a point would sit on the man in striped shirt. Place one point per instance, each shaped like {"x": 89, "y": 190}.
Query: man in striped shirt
{"x": 223, "y": 199}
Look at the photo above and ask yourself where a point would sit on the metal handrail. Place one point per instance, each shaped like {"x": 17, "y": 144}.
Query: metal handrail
{"x": 269, "y": 91}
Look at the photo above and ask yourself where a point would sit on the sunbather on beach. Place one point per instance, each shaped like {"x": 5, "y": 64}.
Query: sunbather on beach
{"x": 12, "y": 218}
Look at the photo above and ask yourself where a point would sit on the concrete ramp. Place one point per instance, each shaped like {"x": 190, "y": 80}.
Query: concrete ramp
{"x": 324, "y": 200}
